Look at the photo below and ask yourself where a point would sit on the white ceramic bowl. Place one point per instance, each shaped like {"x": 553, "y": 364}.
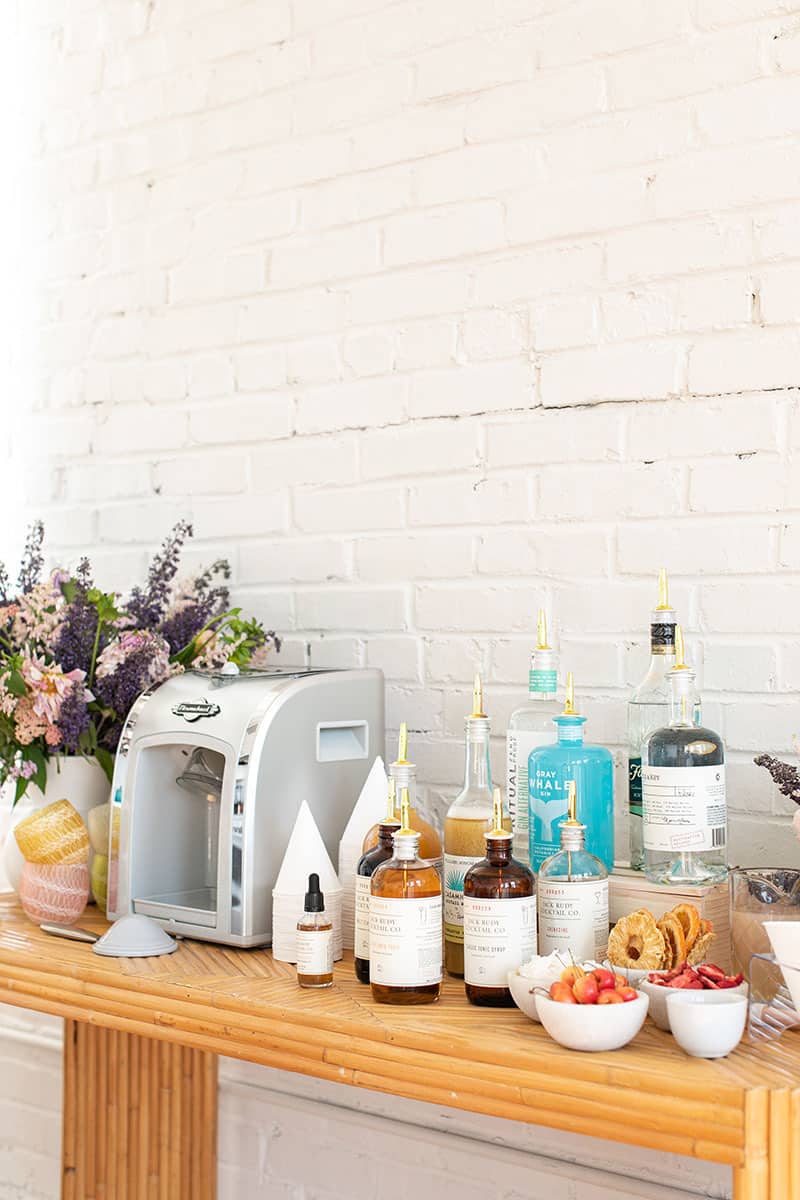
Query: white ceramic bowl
{"x": 707, "y": 1024}
{"x": 524, "y": 994}
{"x": 658, "y": 999}
{"x": 592, "y": 1026}
{"x": 784, "y": 938}
{"x": 633, "y": 975}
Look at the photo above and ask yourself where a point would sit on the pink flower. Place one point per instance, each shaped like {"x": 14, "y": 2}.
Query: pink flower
{"x": 28, "y": 725}
{"x": 48, "y": 686}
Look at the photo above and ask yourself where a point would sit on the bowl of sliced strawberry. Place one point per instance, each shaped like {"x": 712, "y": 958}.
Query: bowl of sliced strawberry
{"x": 705, "y": 977}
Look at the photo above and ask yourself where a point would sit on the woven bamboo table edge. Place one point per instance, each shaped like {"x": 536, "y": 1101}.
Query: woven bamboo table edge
{"x": 743, "y": 1111}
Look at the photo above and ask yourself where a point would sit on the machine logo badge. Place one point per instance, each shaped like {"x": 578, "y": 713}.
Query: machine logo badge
{"x": 195, "y": 709}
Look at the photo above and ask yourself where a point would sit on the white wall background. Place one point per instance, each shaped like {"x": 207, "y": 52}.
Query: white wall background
{"x": 427, "y": 314}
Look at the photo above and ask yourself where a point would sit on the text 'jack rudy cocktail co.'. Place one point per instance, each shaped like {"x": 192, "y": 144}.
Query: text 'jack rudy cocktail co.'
{"x": 405, "y": 922}
{"x": 499, "y": 917}
{"x": 529, "y": 726}
{"x": 572, "y": 892}
{"x": 683, "y": 790}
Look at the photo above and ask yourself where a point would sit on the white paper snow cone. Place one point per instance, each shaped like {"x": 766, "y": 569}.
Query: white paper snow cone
{"x": 305, "y": 854}
{"x": 369, "y": 808}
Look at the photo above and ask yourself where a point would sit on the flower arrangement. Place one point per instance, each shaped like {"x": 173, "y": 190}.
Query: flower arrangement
{"x": 74, "y": 658}
{"x": 788, "y": 780}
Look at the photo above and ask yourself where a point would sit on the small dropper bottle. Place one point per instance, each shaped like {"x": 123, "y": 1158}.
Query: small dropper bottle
{"x": 404, "y": 774}
{"x": 314, "y": 940}
{"x": 367, "y": 865}
{"x": 405, "y": 923}
{"x": 499, "y": 917}
{"x": 573, "y": 894}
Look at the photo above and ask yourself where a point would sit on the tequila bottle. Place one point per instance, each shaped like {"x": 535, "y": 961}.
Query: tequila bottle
{"x": 573, "y": 895}
{"x": 499, "y": 917}
{"x": 683, "y": 791}
{"x": 550, "y": 770}
{"x": 648, "y": 708}
{"x": 404, "y": 774}
{"x": 531, "y": 725}
{"x": 405, "y": 923}
{"x": 367, "y": 864}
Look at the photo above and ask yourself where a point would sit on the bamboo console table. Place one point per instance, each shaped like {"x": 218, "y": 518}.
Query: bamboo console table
{"x": 142, "y": 1038}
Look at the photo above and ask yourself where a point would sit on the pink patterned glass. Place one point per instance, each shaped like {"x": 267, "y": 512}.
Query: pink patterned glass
{"x": 56, "y": 892}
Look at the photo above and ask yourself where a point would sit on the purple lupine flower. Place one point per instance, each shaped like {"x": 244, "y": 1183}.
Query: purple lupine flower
{"x": 73, "y": 719}
{"x": 75, "y": 641}
{"x": 30, "y": 570}
{"x": 180, "y": 627}
{"x": 128, "y": 665}
{"x": 147, "y": 607}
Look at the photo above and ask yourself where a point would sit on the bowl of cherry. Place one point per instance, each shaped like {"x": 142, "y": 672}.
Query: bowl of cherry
{"x": 592, "y": 1010}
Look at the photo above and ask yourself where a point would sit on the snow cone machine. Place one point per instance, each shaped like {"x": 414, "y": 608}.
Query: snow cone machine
{"x": 210, "y": 773}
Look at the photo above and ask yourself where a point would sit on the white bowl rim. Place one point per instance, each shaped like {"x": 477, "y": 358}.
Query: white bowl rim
{"x": 721, "y": 996}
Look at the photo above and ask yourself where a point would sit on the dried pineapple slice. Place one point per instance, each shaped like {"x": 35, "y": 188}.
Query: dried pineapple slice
{"x": 636, "y": 941}
{"x": 54, "y": 835}
{"x": 674, "y": 940}
{"x": 689, "y": 918}
{"x": 704, "y": 939}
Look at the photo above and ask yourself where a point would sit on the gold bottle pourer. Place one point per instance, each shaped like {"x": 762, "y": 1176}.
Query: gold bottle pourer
{"x": 391, "y": 804}
{"x": 663, "y": 592}
{"x": 402, "y": 747}
{"x": 569, "y": 703}
{"x": 477, "y": 698}
{"x": 680, "y": 651}
{"x": 498, "y": 830}
{"x": 405, "y": 829}
{"x": 541, "y": 628}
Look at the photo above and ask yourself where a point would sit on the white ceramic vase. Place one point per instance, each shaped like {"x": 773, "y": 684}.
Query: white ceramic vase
{"x": 80, "y": 780}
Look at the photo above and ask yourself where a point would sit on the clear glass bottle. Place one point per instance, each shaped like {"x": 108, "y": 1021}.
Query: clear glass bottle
{"x": 499, "y": 917}
{"x": 572, "y": 890}
{"x": 648, "y": 708}
{"x": 550, "y": 769}
{"x": 404, "y": 774}
{"x": 683, "y": 791}
{"x": 405, "y": 923}
{"x": 468, "y": 818}
{"x": 314, "y": 940}
{"x": 367, "y": 864}
{"x": 530, "y": 725}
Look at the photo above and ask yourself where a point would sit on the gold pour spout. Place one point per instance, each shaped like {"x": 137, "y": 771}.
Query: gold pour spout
{"x": 405, "y": 818}
{"x": 680, "y": 651}
{"x": 402, "y": 746}
{"x": 498, "y": 830}
{"x": 541, "y": 628}
{"x": 663, "y": 592}
{"x": 572, "y": 803}
{"x": 391, "y": 804}
{"x": 569, "y": 703}
{"x": 477, "y": 698}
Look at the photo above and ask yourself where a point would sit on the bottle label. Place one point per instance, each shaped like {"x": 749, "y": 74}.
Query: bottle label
{"x": 405, "y": 941}
{"x": 548, "y": 808}
{"x": 662, "y": 638}
{"x": 455, "y": 868}
{"x": 362, "y": 916}
{"x": 684, "y": 808}
{"x": 314, "y": 951}
{"x": 542, "y": 681}
{"x": 635, "y": 787}
{"x": 499, "y": 935}
{"x": 573, "y": 918}
{"x": 519, "y": 745}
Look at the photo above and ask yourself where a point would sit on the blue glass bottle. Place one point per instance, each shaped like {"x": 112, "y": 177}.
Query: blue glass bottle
{"x": 550, "y": 769}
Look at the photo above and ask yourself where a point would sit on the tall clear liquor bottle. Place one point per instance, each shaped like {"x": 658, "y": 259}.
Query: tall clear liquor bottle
{"x": 683, "y": 790}
{"x": 405, "y": 923}
{"x": 648, "y": 708}
{"x": 499, "y": 917}
{"x": 531, "y": 725}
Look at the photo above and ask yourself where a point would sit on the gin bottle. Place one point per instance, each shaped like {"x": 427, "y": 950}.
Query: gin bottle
{"x": 531, "y": 725}
{"x": 405, "y": 923}
{"x": 573, "y": 895}
{"x": 683, "y": 791}
{"x": 499, "y": 917}
{"x": 648, "y": 708}
{"x": 550, "y": 771}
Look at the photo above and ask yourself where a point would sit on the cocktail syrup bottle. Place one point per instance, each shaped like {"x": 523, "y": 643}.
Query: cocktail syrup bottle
{"x": 530, "y": 725}
{"x": 573, "y": 895}
{"x": 405, "y": 923}
{"x": 468, "y": 818}
{"x": 683, "y": 790}
{"x": 648, "y": 709}
{"x": 366, "y": 866}
{"x": 404, "y": 774}
{"x": 499, "y": 917}
{"x": 550, "y": 768}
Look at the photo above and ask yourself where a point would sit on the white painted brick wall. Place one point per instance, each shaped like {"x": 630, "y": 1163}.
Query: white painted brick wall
{"x": 426, "y": 315}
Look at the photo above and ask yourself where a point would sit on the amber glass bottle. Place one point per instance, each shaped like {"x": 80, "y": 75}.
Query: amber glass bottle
{"x": 405, "y": 923}
{"x": 367, "y": 864}
{"x": 404, "y": 774}
{"x": 499, "y": 917}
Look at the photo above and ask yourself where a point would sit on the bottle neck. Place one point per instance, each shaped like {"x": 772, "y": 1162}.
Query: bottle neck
{"x": 386, "y": 835}
{"x": 662, "y": 636}
{"x": 543, "y": 675}
{"x": 478, "y": 765}
{"x": 573, "y": 837}
{"x": 405, "y": 776}
{"x": 683, "y": 702}
{"x": 498, "y": 851}
{"x": 570, "y": 730}
{"x": 406, "y": 846}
